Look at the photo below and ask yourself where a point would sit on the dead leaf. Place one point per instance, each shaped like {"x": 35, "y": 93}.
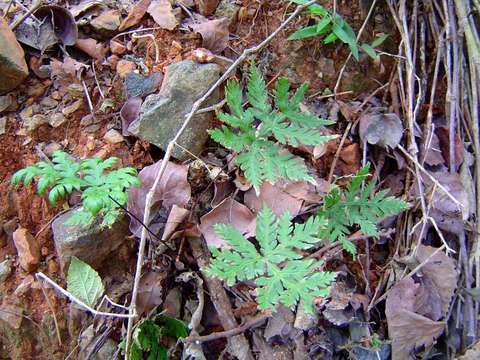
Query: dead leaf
{"x": 93, "y": 48}
{"x": 129, "y": 113}
{"x": 407, "y": 329}
{"x": 221, "y": 189}
{"x": 229, "y": 212}
{"x": 150, "y": 291}
{"x": 441, "y": 270}
{"x": 433, "y": 155}
{"x": 443, "y": 136}
{"x": 175, "y": 218}
{"x": 206, "y": 7}
{"x": 162, "y": 12}
{"x": 279, "y": 197}
{"x": 385, "y": 130}
{"x": 85, "y": 5}
{"x": 215, "y": 34}
{"x": 135, "y": 15}
{"x": 173, "y": 189}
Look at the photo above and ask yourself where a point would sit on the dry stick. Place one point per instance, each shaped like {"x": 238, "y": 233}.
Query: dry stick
{"x": 168, "y": 154}
{"x": 227, "y": 333}
{"x": 44, "y": 277}
{"x": 337, "y": 153}
{"x": 339, "y": 80}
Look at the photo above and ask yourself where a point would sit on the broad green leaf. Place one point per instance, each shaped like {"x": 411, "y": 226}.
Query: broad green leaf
{"x": 83, "y": 282}
{"x": 304, "y": 33}
{"x": 332, "y": 37}
{"x": 370, "y": 51}
{"x": 379, "y": 40}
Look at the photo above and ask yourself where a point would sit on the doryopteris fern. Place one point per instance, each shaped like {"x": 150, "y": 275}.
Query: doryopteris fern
{"x": 278, "y": 269}
{"x": 356, "y": 207}
{"x": 62, "y": 175}
{"x": 251, "y": 132}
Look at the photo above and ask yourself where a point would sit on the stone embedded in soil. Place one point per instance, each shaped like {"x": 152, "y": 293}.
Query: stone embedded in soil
{"x": 113, "y": 136}
{"x": 139, "y": 85}
{"x": 13, "y": 68}
{"x": 90, "y": 243}
{"x": 163, "y": 114}
{"x": 124, "y": 67}
{"x": 5, "y": 269}
{"x": 28, "y": 249}
{"x": 87, "y": 344}
{"x": 228, "y": 9}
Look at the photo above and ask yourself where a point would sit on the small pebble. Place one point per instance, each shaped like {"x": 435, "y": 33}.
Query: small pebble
{"x": 124, "y": 67}
{"x": 113, "y": 136}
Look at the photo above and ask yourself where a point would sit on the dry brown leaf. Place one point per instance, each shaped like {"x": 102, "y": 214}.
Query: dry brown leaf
{"x": 441, "y": 270}
{"x": 278, "y": 197}
{"x": 444, "y": 139}
{"x": 229, "y": 212}
{"x": 175, "y": 218}
{"x": 93, "y": 48}
{"x": 206, "y": 7}
{"x": 406, "y": 328}
{"x": 433, "y": 155}
{"x": 162, "y": 12}
{"x": 150, "y": 292}
{"x": 135, "y": 15}
{"x": 385, "y": 130}
{"x": 215, "y": 34}
{"x": 173, "y": 189}
{"x": 129, "y": 113}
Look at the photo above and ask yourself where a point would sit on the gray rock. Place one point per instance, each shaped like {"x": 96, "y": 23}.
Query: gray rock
{"x": 162, "y": 114}
{"x": 13, "y": 68}
{"x": 228, "y": 9}
{"x": 139, "y": 85}
{"x": 5, "y": 269}
{"x": 90, "y": 243}
{"x": 88, "y": 339}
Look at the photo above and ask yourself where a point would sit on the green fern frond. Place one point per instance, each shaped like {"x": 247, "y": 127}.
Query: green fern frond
{"x": 356, "y": 207}
{"x": 279, "y": 271}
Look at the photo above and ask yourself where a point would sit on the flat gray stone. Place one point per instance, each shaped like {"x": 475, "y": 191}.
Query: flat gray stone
{"x": 90, "y": 243}
{"x": 162, "y": 114}
{"x": 139, "y": 85}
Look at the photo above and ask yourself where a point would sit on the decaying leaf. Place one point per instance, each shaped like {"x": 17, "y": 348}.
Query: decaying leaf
{"x": 150, "y": 293}
{"x": 162, "y": 12}
{"x": 93, "y": 48}
{"x": 206, "y": 7}
{"x": 279, "y": 197}
{"x": 441, "y": 270}
{"x": 175, "y": 218}
{"x": 229, "y": 212}
{"x": 129, "y": 113}
{"x": 433, "y": 155}
{"x": 135, "y": 15}
{"x": 385, "y": 130}
{"x": 407, "y": 329}
{"x": 173, "y": 189}
{"x": 443, "y": 133}
{"x": 214, "y": 33}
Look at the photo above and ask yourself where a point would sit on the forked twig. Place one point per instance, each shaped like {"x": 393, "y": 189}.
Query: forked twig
{"x": 168, "y": 153}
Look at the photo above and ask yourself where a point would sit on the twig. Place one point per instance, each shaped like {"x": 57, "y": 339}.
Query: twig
{"x": 96, "y": 80}
{"x": 214, "y": 107}
{"x": 137, "y": 31}
{"x": 168, "y": 153}
{"x": 150, "y": 36}
{"x": 227, "y": 333}
{"x": 340, "y": 75}
{"x": 337, "y": 153}
{"x": 89, "y": 100}
{"x": 44, "y": 277}
{"x": 34, "y": 7}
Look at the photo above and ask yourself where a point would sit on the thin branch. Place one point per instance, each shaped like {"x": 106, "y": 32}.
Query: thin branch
{"x": 168, "y": 153}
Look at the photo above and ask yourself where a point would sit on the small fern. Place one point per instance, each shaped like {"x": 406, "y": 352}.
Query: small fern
{"x": 278, "y": 269}
{"x": 250, "y": 132}
{"x": 355, "y": 206}
{"x": 63, "y": 175}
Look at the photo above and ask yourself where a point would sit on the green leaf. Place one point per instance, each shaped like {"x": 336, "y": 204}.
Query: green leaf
{"x": 304, "y": 33}
{"x": 171, "y": 326}
{"x": 281, "y": 274}
{"x": 83, "y": 282}
{"x": 370, "y": 51}
{"x": 379, "y": 40}
{"x": 344, "y": 34}
{"x": 257, "y": 90}
{"x": 323, "y": 25}
{"x": 332, "y": 37}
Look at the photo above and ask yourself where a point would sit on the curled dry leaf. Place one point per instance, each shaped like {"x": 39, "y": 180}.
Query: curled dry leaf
{"x": 406, "y": 327}
{"x": 135, "y": 15}
{"x": 162, "y": 12}
{"x": 130, "y": 112}
{"x": 93, "y": 48}
{"x": 150, "y": 293}
{"x": 385, "y": 130}
{"x": 229, "y": 212}
{"x": 173, "y": 189}
{"x": 214, "y": 33}
{"x": 175, "y": 218}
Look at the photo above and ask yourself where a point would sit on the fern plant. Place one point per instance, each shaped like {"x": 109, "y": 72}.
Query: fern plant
{"x": 282, "y": 275}
{"x": 333, "y": 27}
{"x": 90, "y": 177}
{"x": 356, "y": 207}
{"x": 251, "y": 132}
